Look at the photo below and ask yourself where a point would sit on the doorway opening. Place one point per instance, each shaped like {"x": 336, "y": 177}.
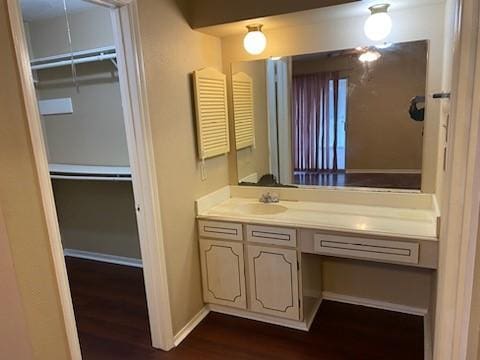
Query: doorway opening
{"x": 86, "y": 108}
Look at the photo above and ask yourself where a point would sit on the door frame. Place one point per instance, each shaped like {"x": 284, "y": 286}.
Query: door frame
{"x": 461, "y": 198}
{"x": 144, "y": 178}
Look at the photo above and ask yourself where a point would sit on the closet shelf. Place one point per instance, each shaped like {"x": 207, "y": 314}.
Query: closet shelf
{"x": 90, "y": 172}
{"x": 79, "y": 57}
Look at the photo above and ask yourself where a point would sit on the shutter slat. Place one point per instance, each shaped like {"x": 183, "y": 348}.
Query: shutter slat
{"x": 242, "y": 86}
{"x": 212, "y": 112}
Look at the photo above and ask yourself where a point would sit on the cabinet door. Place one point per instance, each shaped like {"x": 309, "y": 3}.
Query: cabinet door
{"x": 273, "y": 280}
{"x": 223, "y": 273}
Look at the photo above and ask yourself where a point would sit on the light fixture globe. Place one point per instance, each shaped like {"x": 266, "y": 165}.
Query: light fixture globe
{"x": 255, "y": 40}
{"x": 379, "y": 24}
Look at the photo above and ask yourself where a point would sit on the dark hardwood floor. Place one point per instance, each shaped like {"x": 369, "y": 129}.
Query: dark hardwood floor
{"x": 111, "y": 313}
{"x": 374, "y": 180}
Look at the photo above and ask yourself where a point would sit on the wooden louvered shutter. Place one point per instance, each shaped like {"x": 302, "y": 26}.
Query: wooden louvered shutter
{"x": 243, "y": 110}
{"x": 212, "y": 112}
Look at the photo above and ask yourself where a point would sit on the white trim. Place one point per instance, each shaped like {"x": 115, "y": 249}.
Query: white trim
{"x": 91, "y": 178}
{"x": 383, "y": 171}
{"x": 78, "y": 57}
{"x": 142, "y": 161}
{"x": 191, "y": 325}
{"x": 90, "y": 172}
{"x": 383, "y": 305}
{"x": 106, "y": 258}
{"x": 461, "y": 198}
{"x": 90, "y": 169}
{"x": 69, "y": 55}
{"x": 41, "y": 164}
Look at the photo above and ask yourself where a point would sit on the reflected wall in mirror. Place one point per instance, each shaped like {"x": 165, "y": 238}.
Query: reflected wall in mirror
{"x": 342, "y": 118}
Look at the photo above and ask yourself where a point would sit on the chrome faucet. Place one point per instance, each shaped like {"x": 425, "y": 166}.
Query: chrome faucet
{"x": 268, "y": 198}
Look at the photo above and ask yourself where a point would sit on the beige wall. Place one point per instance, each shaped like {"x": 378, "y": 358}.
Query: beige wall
{"x": 97, "y": 216}
{"x": 380, "y": 282}
{"x": 23, "y": 213}
{"x": 380, "y": 133}
{"x": 15, "y": 340}
{"x": 255, "y": 160}
{"x": 346, "y": 33}
{"x": 172, "y": 51}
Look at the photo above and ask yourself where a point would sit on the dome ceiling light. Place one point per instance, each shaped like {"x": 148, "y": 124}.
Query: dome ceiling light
{"x": 255, "y": 40}
{"x": 379, "y": 24}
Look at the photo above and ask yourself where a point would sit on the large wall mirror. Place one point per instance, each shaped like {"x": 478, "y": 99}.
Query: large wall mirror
{"x": 350, "y": 117}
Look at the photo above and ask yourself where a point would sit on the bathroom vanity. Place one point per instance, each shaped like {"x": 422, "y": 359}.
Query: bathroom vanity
{"x": 258, "y": 260}
{"x": 361, "y": 224}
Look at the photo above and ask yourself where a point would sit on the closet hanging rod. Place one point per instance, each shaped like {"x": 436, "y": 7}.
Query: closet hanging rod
{"x": 79, "y": 57}
{"x": 90, "y": 172}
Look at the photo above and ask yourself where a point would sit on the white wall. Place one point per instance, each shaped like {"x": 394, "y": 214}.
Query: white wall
{"x": 49, "y": 37}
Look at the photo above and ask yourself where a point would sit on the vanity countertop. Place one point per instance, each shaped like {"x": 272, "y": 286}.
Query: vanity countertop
{"x": 420, "y": 224}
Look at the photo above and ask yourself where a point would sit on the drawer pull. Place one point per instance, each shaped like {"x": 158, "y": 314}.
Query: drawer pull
{"x": 386, "y": 250}
{"x": 220, "y": 230}
{"x": 269, "y": 235}
{"x": 366, "y": 248}
{"x": 272, "y": 235}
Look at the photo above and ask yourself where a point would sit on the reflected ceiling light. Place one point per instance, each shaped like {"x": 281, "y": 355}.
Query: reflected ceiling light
{"x": 379, "y": 24}
{"x": 255, "y": 40}
{"x": 369, "y": 56}
{"x": 275, "y": 58}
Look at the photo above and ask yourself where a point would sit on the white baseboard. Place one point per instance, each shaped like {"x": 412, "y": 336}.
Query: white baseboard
{"x": 192, "y": 324}
{"x": 327, "y": 295}
{"x": 383, "y": 171}
{"x": 111, "y": 259}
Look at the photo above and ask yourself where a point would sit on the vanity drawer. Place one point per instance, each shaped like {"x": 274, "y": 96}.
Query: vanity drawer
{"x": 388, "y": 250}
{"x": 220, "y": 230}
{"x": 272, "y": 235}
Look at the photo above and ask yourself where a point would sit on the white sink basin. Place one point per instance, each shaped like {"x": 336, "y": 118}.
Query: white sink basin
{"x": 263, "y": 209}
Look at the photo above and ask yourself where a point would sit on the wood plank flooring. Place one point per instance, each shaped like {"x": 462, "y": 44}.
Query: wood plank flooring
{"x": 111, "y": 313}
